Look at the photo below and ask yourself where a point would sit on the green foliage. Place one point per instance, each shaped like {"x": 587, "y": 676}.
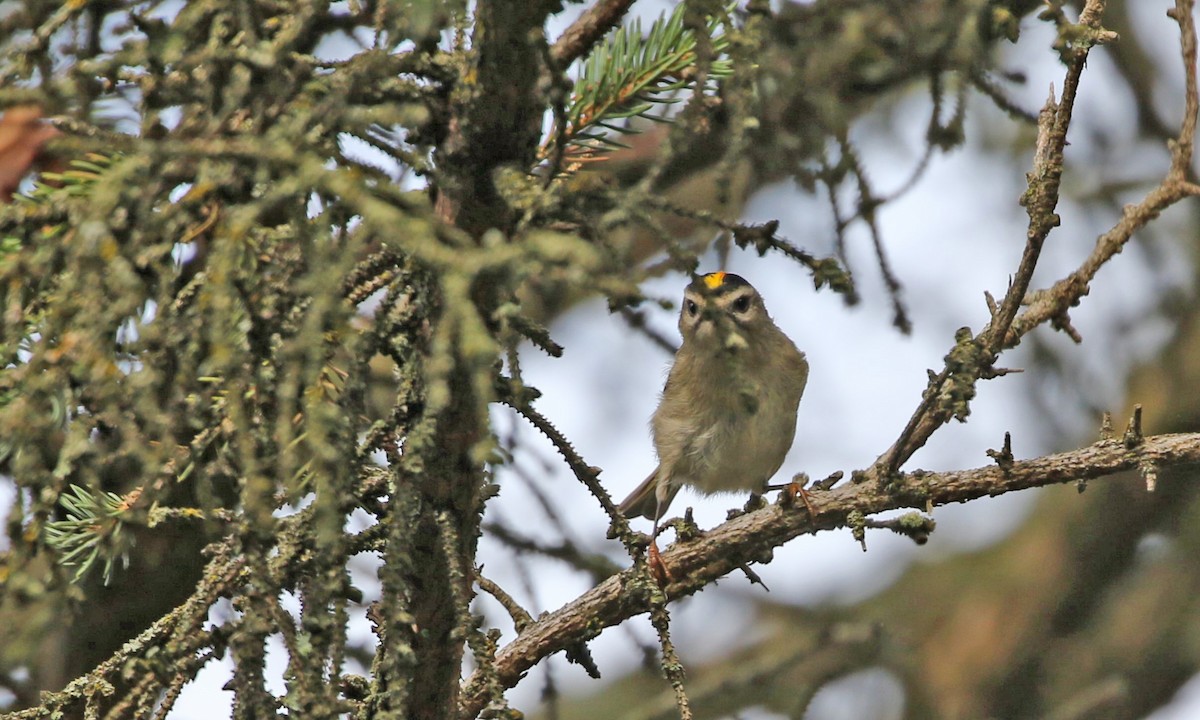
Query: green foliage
{"x": 78, "y": 181}
{"x": 92, "y": 531}
{"x": 633, "y": 75}
{"x": 236, "y": 314}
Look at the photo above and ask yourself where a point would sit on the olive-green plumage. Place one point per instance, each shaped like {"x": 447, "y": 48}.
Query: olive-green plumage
{"x": 727, "y": 416}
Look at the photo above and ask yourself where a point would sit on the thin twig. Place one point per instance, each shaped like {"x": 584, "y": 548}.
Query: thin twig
{"x": 595, "y": 564}
{"x": 750, "y": 536}
{"x": 586, "y": 474}
{"x": 660, "y": 618}
{"x": 1053, "y": 303}
{"x": 1040, "y": 200}
{"x": 984, "y": 84}
{"x": 1181, "y": 152}
{"x": 867, "y": 203}
{"x": 637, "y": 320}
{"x": 520, "y": 616}
{"x": 764, "y": 238}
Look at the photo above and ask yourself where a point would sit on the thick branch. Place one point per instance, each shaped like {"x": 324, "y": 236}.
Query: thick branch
{"x": 752, "y": 537}
{"x": 592, "y": 25}
{"x": 499, "y": 120}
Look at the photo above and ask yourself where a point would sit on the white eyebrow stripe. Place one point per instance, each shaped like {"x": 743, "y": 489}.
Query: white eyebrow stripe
{"x": 727, "y": 300}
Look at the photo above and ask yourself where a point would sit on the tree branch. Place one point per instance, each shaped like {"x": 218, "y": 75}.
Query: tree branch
{"x": 175, "y": 635}
{"x": 499, "y": 120}
{"x": 587, "y": 29}
{"x": 753, "y": 536}
{"x": 1052, "y": 304}
{"x": 949, "y": 392}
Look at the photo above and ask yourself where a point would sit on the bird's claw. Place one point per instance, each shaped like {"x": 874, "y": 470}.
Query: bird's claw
{"x": 794, "y": 489}
{"x": 658, "y": 568}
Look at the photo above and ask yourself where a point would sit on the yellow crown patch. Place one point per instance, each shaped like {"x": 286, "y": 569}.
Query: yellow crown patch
{"x": 714, "y": 280}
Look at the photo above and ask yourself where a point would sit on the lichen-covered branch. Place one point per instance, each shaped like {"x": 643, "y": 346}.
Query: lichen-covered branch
{"x": 223, "y": 312}
{"x": 751, "y": 537}
{"x": 949, "y": 392}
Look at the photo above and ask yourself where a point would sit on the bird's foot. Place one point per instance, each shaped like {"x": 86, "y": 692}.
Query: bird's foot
{"x": 658, "y": 568}
{"x": 795, "y": 489}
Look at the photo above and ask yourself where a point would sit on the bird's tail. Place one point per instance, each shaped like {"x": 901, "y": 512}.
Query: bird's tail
{"x": 643, "y": 501}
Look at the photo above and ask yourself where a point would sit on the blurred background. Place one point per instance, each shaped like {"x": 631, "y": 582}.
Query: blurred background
{"x": 1076, "y": 605}
{"x": 1047, "y": 603}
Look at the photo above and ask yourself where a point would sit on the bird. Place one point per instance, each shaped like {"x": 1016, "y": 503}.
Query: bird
{"x": 727, "y": 415}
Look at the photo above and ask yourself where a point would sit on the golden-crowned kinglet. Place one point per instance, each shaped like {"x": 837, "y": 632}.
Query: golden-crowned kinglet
{"x": 727, "y": 415}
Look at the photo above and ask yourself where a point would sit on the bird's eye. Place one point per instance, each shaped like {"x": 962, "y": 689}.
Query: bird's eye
{"x": 742, "y": 304}
{"x": 691, "y": 307}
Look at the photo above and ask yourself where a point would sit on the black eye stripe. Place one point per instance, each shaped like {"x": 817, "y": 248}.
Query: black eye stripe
{"x": 737, "y": 301}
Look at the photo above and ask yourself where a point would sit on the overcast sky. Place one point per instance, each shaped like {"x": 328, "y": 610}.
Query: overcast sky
{"x": 958, "y": 233}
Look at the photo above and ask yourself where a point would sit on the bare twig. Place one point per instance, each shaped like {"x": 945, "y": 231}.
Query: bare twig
{"x": 520, "y": 616}
{"x": 821, "y": 652}
{"x": 867, "y": 204}
{"x": 594, "y": 564}
{"x": 637, "y": 320}
{"x": 586, "y": 474}
{"x": 752, "y": 535}
{"x": 764, "y": 238}
{"x": 672, "y": 668}
{"x": 984, "y": 84}
{"x": 1181, "y": 151}
{"x": 1053, "y": 303}
{"x": 1040, "y": 201}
